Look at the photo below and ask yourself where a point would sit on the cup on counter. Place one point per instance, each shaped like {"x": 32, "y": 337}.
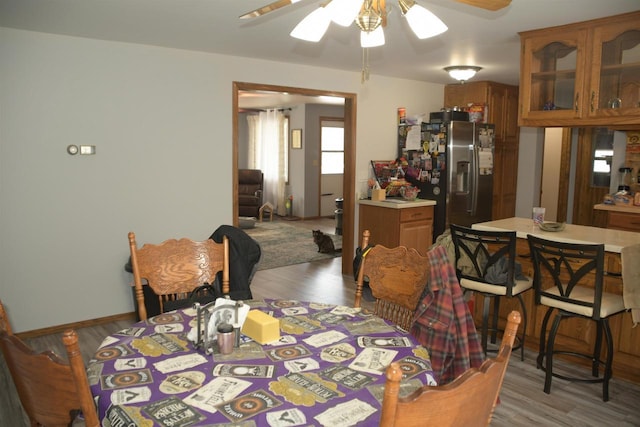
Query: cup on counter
{"x": 538, "y": 216}
{"x": 226, "y": 338}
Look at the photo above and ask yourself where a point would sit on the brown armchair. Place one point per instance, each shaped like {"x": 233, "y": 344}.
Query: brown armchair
{"x": 250, "y": 186}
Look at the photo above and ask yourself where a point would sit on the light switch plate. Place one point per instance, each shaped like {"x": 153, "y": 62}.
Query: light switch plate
{"x": 87, "y": 149}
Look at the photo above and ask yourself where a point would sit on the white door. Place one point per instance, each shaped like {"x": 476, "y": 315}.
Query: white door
{"x": 332, "y": 164}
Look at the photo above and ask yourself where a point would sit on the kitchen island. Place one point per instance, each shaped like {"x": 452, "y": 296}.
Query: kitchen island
{"x": 576, "y": 334}
{"x": 397, "y": 222}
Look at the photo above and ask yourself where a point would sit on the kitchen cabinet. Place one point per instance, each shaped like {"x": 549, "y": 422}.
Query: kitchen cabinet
{"x": 392, "y": 224}
{"x": 625, "y": 218}
{"x": 502, "y": 110}
{"x": 583, "y": 74}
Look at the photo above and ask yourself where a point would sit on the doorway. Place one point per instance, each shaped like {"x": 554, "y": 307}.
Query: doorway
{"x": 348, "y": 183}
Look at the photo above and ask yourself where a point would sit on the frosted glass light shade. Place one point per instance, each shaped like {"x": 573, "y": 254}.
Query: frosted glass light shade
{"x": 373, "y": 38}
{"x": 344, "y": 12}
{"x": 313, "y": 26}
{"x": 423, "y": 23}
{"x": 462, "y": 72}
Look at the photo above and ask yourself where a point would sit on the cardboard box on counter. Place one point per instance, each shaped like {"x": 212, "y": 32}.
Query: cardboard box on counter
{"x": 378, "y": 194}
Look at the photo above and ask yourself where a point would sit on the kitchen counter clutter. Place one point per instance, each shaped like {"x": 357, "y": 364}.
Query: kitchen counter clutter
{"x": 577, "y": 334}
{"x": 397, "y": 222}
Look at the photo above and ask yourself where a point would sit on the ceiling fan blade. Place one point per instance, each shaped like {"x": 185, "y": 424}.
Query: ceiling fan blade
{"x": 487, "y": 4}
{"x": 268, "y": 8}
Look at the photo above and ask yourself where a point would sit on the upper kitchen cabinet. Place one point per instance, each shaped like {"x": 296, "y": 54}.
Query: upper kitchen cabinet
{"x": 583, "y": 74}
{"x": 614, "y": 90}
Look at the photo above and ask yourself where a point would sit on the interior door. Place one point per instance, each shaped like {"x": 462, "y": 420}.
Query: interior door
{"x": 332, "y": 164}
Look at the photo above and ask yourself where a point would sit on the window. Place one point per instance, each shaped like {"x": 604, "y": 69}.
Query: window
{"x": 332, "y": 147}
{"x": 602, "y": 156}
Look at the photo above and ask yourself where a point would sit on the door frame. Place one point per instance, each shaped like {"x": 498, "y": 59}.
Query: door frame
{"x": 348, "y": 183}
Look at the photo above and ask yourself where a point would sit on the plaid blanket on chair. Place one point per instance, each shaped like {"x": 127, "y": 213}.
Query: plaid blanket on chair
{"x": 443, "y": 324}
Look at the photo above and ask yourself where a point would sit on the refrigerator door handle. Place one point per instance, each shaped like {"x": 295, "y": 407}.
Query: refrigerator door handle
{"x": 474, "y": 174}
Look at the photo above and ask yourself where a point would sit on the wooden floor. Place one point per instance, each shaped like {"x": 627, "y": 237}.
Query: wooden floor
{"x": 523, "y": 403}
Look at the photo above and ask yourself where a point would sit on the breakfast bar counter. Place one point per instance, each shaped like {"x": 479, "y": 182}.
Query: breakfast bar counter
{"x": 576, "y": 334}
{"x": 614, "y": 240}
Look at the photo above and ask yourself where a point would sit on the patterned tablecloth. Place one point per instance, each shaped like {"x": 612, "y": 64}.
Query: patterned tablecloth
{"x": 326, "y": 370}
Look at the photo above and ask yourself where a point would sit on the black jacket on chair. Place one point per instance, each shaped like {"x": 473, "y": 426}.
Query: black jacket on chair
{"x": 244, "y": 255}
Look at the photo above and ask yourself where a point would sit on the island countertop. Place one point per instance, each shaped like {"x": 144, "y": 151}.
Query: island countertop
{"x": 398, "y": 203}
{"x": 614, "y": 240}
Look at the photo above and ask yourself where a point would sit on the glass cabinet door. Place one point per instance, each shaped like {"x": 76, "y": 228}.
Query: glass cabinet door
{"x": 553, "y": 75}
{"x": 615, "y": 80}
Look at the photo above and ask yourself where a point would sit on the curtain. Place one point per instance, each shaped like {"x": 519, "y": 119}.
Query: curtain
{"x": 266, "y": 152}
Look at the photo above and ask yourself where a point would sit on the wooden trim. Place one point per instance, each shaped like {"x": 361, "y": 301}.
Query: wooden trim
{"x": 76, "y": 325}
{"x": 350, "y": 101}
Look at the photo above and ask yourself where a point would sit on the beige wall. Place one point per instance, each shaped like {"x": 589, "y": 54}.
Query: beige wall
{"x": 161, "y": 123}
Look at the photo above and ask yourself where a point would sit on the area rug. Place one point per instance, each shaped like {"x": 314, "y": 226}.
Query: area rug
{"x": 284, "y": 244}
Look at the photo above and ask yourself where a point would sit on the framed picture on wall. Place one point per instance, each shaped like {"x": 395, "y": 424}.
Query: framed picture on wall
{"x": 296, "y": 138}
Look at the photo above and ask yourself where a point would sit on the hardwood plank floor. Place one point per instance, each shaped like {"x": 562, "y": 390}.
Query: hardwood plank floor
{"x": 523, "y": 403}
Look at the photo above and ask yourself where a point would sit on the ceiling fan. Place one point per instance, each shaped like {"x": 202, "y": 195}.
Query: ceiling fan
{"x": 492, "y": 5}
{"x": 371, "y": 17}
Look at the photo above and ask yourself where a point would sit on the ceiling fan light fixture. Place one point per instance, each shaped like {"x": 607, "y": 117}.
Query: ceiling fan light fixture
{"x": 462, "y": 72}
{"x": 423, "y": 23}
{"x": 344, "y": 12}
{"x": 313, "y": 26}
{"x": 369, "y": 19}
{"x": 373, "y": 38}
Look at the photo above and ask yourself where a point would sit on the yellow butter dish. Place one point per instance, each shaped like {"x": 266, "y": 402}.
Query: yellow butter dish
{"x": 261, "y": 327}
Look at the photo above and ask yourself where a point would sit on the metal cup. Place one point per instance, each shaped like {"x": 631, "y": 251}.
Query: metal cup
{"x": 226, "y": 338}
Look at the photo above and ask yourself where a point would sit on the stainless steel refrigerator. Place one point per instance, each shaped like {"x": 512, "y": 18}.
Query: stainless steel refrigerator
{"x": 470, "y": 148}
{"x": 454, "y": 167}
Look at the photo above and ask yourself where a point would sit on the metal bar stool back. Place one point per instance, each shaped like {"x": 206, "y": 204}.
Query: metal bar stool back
{"x": 569, "y": 280}
{"x": 486, "y": 263}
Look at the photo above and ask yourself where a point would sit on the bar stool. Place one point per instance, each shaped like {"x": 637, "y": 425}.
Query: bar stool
{"x": 486, "y": 263}
{"x": 562, "y": 282}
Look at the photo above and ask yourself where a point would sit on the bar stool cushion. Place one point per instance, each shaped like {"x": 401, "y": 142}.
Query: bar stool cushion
{"x": 611, "y": 303}
{"x": 519, "y": 286}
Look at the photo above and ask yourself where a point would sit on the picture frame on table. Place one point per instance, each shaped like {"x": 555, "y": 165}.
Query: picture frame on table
{"x": 296, "y": 138}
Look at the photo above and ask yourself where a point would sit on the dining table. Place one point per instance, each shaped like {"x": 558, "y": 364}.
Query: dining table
{"x": 326, "y": 369}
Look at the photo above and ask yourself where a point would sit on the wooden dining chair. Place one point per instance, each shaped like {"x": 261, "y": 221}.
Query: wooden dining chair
{"x": 174, "y": 268}
{"x": 468, "y": 401}
{"x": 52, "y": 392}
{"x": 397, "y": 276}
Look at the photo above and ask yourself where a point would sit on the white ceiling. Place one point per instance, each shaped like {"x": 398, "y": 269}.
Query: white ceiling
{"x": 475, "y": 36}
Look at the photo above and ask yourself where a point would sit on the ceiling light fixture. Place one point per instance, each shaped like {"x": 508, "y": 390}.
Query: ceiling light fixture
{"x": 462, "y": 72}
{"x": 371, "y": 17}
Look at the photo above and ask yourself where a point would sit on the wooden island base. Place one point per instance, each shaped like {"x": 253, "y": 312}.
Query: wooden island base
{"x": 575, "y": 334}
